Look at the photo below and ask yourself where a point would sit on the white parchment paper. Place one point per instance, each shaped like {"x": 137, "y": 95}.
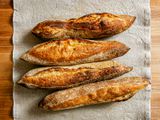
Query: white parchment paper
{"x": 27, "y": 13}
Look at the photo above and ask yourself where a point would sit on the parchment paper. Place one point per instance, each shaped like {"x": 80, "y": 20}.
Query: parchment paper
{"x": 27, "y": 13}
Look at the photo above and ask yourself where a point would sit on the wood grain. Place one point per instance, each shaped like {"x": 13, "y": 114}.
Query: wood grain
{"x": 155, "y": 64}
{"x": 6, "y": 103}
{"x": 5, "y": 60}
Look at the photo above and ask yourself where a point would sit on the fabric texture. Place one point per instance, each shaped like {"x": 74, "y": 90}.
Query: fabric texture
{"x": 27, "y": 13}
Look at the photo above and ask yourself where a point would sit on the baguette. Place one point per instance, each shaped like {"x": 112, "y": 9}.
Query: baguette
{"x": 91, "y": 26}
{"x": 94, "y": 93}
{"x": 66, "y": 77}
{"x": 74, "y": 51}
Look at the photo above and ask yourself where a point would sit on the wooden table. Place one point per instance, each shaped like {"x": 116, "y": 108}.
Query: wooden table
{"x": 6, "y": 11}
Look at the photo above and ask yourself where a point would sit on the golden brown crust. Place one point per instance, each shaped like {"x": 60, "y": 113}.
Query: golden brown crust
{"x": 74, "y": 51}
{"x": 94, "y": 93}
{"x": 65, "y": 77}
{"x": 95, "y": 25}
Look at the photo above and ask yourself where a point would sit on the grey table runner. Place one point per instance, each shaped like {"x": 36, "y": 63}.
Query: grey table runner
{"x": 27, "y": 13}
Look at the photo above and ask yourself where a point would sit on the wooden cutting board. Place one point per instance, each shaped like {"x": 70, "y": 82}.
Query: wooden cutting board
{"x": 6, "y": 11}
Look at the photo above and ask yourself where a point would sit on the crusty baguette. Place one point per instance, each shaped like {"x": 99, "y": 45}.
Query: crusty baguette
{"x": 74, "y": 51}
{"x": 94, "y": 93}
{"x": 91, "y": 26}
{"x": 65, "y": 77}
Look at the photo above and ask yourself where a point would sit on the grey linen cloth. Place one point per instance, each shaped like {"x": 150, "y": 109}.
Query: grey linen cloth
{"x": 27, "y": 13}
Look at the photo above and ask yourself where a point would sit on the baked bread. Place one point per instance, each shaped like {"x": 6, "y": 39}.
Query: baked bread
{"x": 71, "y": 76}
{"x": 74, "y": 51}
{"x": 91, "y": 26}
{"x": 94, "y": 93}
